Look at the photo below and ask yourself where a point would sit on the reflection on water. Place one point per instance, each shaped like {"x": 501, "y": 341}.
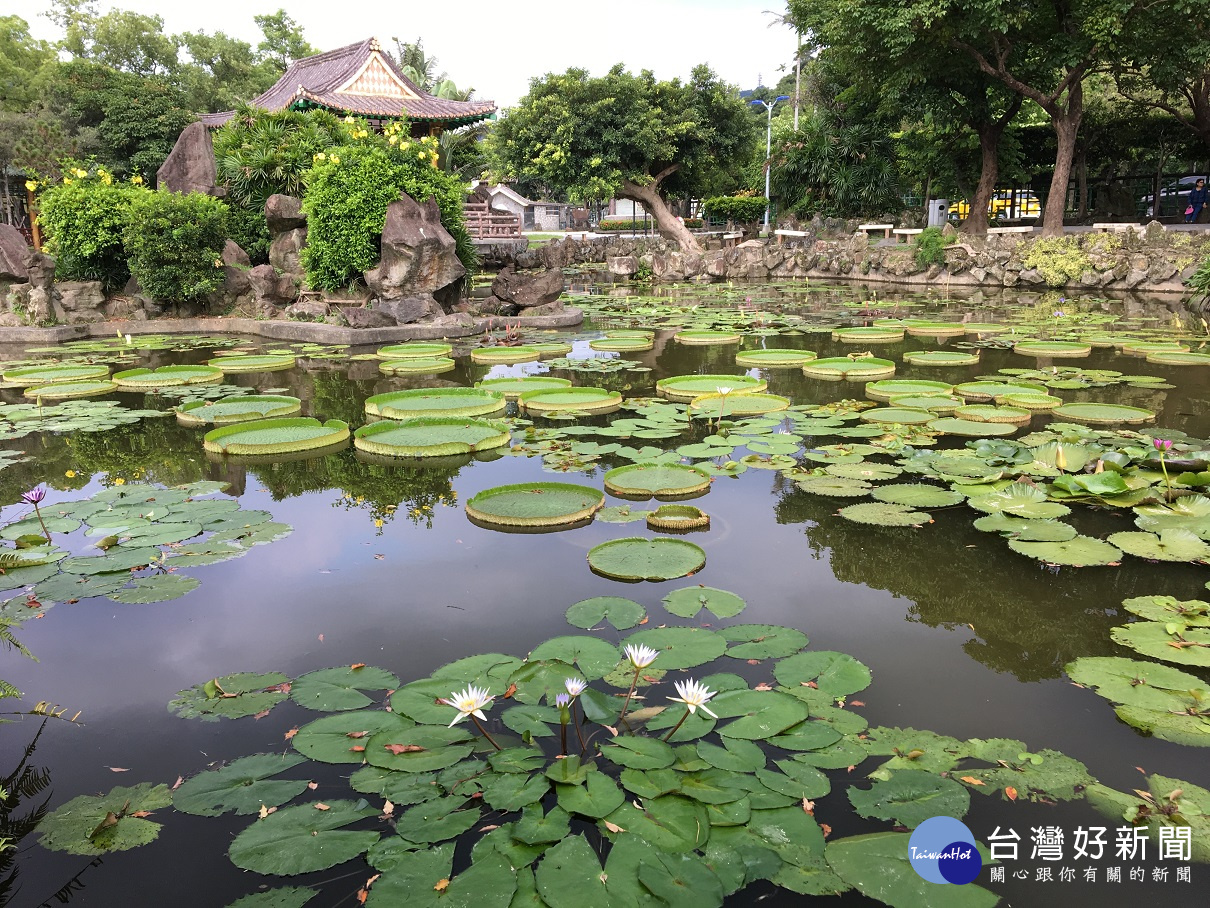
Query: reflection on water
{"x": 963, "y": 636}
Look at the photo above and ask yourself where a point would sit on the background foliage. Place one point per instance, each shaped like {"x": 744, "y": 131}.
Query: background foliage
{"x": 174, "y": 244}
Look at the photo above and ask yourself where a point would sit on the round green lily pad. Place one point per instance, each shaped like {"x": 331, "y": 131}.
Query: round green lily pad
{"x": 940, "y": 404}
{"x": 903, "y": 416}
{"x": 535, "y": 504}
{"x": 872, "y": 334}
{"x": 505, "y": 355}
{"x": 861, "y": 369}
{"x": 621, "y": 613}
{"x": 712, "y": 406}
{"x": 1081, "y": 551}
{"x": 236, "y": 408}
{"x": 581, "y": 400}
{"x": 415, "y": 402}
{"x": 687, "y": 387}
{"x": 883, "y": 514}
{"x": 46, "y": 375}
{"x": 1016, "y": 416}
{"x": 1167, "y": 545}
{"x": 920, "y": 328}
{"x": 167, "y": 377}
{"x": 1144, "y": 347}
{"x": 940, "y": 358}
{"x": 431, "y": 436}
{"x": 552, "y": 348}
{"x": 636, "y": 559}
{"x": 688, "y": 601}
{"x": 917, "y": 495}
{"x": 703, "y": 337}
{"x": 243, "y": 363}
{"x": 989, "y": 390}
{"x": 1027, "y": 401}
{"x": 512, "y": 388}
{"x": 629, "y": 332}
{"x": 1169, "y": 358}
{"x": 414, "y": 351}
{"x": 276, "y": 436}
{"x": 70, "y": 390}
{"x": 680, "y": 647}
{"x": 886, "y": 390}
{"x": 774, "y": 359}
{"x": 623, "y": 344}
{"x": 641, "y": 481}
{"x": 1054, "y": 349}
{"x": 678, "y": 518}
{"x": 954, "y": 426}
{"x": 1104, "y": 414}
{"x": 417, "y": 365}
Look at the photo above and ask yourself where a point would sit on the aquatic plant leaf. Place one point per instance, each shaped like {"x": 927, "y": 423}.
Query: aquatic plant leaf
{"x": 282, "y": 897}
{"x": 538, "y": 828}
{"x": 911, "y": 796}
{"x": 570, "y": 876}
{"x": 735, "y": 755}
{"x": 758, "y": 714}
{"x": 68, "y": 587}
{"x": 397, "y": 787}
{"x": 1168, "y": 545}
{"x": 598, "y": 797}
{"x": 911, "y": 748}
{"x": 257, "y": 534}
{"x": 671, "y": 823}
{"x": 303, "y": 839}
{"x": 230, "y": 697}
{"x": 681, "y": 881}
{"x": 1157, "y": 699}
{"x": 833, "y": 486}
{"x": 531, "y": 719}
{"x": 1019, "y": 500}
{"x": 877, "y": 865}
{"x": 159, "y": 588}
{"x": 641, "y": 481}
{"x": 805, "y": 736}
{"x": 690, "y": 600}
{"x": 833, "y": 673}
{"x": 31, "y": 526}
{"x": 436, "y": 821}
{"x": 93, "y": 825}
{"x": 680, "y": 647}
{"x": 621, "y": 613}
{"x": 342, "y": 738}
{"x": 593, "y": 656}
{"x": 1169, "y": 803}
{"x": 332, "y": 689}
{"x": 621, "y": 514}
{"x": 513, "y": 791}
{"x": 1169, "y": 642}
{"x": 1191, "y": 612}
{"x": 119, "y": 559}
{"x": 1079, "y": 551}
{"x": 283, "y": 435}
{"x": 762, "y": 641}
{"x": 423, "y": 748}
{"x": 639, "y": 753}
{"x": 1045, "y": 775}
{"x": 1190, "y": 513}
{"x": 877, "y": 513}
{"x": 1026, "y": 530}
{"x": 240, "y": 787}
{"x": 413, "y": 878}
{"x": 797, "y": 780}
{"x": 635, "y": 559}
{"x": 917, "y": 495}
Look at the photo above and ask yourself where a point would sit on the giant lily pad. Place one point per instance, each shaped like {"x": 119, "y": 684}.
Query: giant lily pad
{"x": 415, "y": 402}
{"x": 872, "y": 334}
{"x": 236, "y": 408}
{"x": 70, "y": 390}
{"x": 93, "y": 825}
{"x": 1053, "y": 349}
{"x": 917, "y": 495}
{"x": 954, "y": 426}
{"x": 505, "y": 355}
{"x": 888, "y": 389}
{"x": 167, "y": 377}
{"x": 641, "y": 481}
{"x": 1169, "y": 545}
{"x": 688, "y": 387}
{"x": 52, "y": 374}
{"x": 303, "y": 839}
{"x": 415, "y": 350}
{"x": 940, "y": 358}
{"x": 535, "y": 504}
{"x": 838, "y": 367}
{"x": 705, "y": 337}
{"x": 1104, "y": 414}
{"x": 635, "y": 559}
{"x": 716, "y": 406}
{"x": 244, "y": 363}
{"x": 426, "y": 365}
{"x": 240, "y": 787}
{"x": 774, "y": 359}
{"x": 431, "y": 436}
{"x": 905, "y": 416}
{"x": 623, "y": 344}
{"x": 877, "y": 513}
{"x": 512, "y": 388}
{"x": 580, "y": 400}
{"x": 276, "y": 436}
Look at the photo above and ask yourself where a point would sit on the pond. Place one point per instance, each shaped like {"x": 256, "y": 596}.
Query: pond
{"x": 287, "y": 564}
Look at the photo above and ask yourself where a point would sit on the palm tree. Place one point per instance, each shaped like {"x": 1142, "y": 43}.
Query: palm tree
{"x": 417, "y": 65}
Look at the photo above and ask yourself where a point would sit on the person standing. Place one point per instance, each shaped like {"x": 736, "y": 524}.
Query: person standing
{"x": 1197, "y": 201}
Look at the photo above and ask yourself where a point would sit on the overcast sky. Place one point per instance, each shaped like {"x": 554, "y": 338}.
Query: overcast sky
{"x": 497, "y": 47}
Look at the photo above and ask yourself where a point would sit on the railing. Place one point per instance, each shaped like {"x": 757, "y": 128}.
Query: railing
{"x": 484, "y": 223}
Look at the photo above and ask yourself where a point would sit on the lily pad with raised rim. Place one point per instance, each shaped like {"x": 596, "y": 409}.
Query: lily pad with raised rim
{"x": 513, "y": 388}
{"x": 535, "y": 504}
{"x": 419, "y": 365}
{"x": 878, "y": 513}
{"x": 1053, "y": 349}
{"x": 702, "y": 337}
{"x": 774, "y": 358}
{"x": 431, "y": 436}
{"x": 868, "y": 334}
{"x": 940, "y": 358}
{"x": 888, "y": 389}
{"x": 641, "y": 481}
{"x": 838, "y": 367}
{"x": 622, "y": 344}
{"x": 505, "y": 355}
{"x": 678, "y": 518}
{"x": 686, "y": 388}
{"x": 635, "y": 559}
{"x": 579, "y": 400}
{"x": 416, "y": 350}
{"x": 70, "y": 390}
{"x": 715, "y": 406}
{"x": 951, "y": 425}
{"x": 276, "y": 436}
{"x": 898, "y": 415}
{"x": 236, "y": 408}
{"x": 1104, "y": 414}
{"x": 237, "y": 364}
{"x": 167, "y": 377}
{"x": 417, "y": 402}
{"x": 53, "y": 374}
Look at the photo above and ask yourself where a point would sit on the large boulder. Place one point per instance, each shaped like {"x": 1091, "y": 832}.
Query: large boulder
{"x": 361, "y": 317}
{"x": 285, "y": 251}
{"x": 419, "y": 256}
{"x": 78, "y": 302}
{"x": 308, "y": 310}
{"x": 412, "y": 309}
{"x": 283, "y": 213}
{"x": 528, "y": 290}
{"x": 40, "y": 269}
{"x": 271, "y": 291}
{"x": 13, "y": 254}
{"x": 190, "y": 166}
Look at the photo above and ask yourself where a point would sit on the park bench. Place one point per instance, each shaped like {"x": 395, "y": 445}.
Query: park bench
{"x": 1026, "y": 229}
{"x": 904, "y": 234}
{"x": 1115, "y": 227}
{"x": 782, "y": 234}
{"x": 730, "y": 238}
{"x": 870, "y": 228}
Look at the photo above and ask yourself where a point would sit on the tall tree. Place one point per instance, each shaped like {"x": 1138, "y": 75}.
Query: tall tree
{"x": 283, "y": 40}
{"x": 21, "y": 56}
{"x": 417, "y": 65}
{"x": 1169, "y": 68}
{"x": 121, "y": 39}
{"x": 221, "y": 72}
{"x": 625, "y": 136}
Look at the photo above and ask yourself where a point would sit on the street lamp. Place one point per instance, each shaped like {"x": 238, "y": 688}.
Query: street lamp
{"x": 769, "y": 147}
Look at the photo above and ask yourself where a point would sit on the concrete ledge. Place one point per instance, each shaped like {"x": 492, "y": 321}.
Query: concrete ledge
{"x": 312, "y": 332}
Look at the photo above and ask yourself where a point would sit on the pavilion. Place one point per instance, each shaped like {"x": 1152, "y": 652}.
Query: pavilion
{"x": 362, "y": 81}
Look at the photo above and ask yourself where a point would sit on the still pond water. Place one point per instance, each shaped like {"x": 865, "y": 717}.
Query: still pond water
{"x": 963, "y": 636}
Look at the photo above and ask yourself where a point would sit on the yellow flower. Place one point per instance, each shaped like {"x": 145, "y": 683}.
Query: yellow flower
{"x": 394, "y": 140}
{"x": 378, "y": 522}
{"x": 405, "y": 146}
{"x": 422, "y": 155}
{"x": 334, "y": 159}
{"x": 80, "y": 174}
{"x": 320, "y": 156}
{"x": 70, "y": 474}
{"x": 349, "y": 119}
{"x": 106, "y": 179}
{"x": 119, "y": 481}
{"x": 137, "y": 180}
{"x": 67, "y": 181}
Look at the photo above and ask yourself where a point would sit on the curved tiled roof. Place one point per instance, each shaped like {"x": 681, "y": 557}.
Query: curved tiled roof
{"x": 359, "y": 79}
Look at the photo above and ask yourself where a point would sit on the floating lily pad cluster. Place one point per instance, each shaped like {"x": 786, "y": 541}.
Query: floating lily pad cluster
{"x": 20, "y": 420}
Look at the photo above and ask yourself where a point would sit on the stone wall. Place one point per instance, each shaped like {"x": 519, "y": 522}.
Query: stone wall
{"x": 1147, "y": 260}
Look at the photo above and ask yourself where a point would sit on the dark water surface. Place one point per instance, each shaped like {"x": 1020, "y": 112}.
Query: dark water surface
{"x": 964, "y": 637}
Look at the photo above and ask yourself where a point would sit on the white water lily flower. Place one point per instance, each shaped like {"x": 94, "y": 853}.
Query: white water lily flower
{"x": 694, "y": 694}
{"x": 470, "y": 702}
{"x": 575, "y": 686}
{"x": 640, "y": 656}
{"x": 723, "y": 390}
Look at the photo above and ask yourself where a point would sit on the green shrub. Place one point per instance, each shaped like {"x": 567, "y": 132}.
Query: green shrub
{"x": 930, "y": 247}
{"x": 618, "y": 226}
{"x": 1058, "y": 259}
{"x": 83, "y": 219}
{"x": 348, "y": 190}
{"x": 1200, "y": 279}
{"x": 248, "y": 228}
{"x": 174, "y": 244}
{"x": 738, "y": 208}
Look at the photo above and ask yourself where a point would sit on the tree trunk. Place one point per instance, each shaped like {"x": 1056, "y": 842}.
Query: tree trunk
{"x": 669, "y": 225}
{"x": 1067, "y": 128}
{"x": 1082, "y": 180}
{"x": 928, "y": 187}
{"x": 989, "y": 171}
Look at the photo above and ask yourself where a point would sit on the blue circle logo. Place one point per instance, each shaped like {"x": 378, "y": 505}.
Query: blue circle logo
{"x": 942, "y": 850}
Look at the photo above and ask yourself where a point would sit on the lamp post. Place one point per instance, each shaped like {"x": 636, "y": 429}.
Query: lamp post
{"x": 768, "y": 105}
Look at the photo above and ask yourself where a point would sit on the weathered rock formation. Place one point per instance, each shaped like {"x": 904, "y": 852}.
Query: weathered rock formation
{"x": 418, "y": 255}
{"x": 13, "y": 253}
{"x": 190, "y": 165}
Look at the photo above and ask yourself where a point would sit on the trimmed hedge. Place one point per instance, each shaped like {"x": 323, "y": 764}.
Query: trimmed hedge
{"x": 609, "y": 226}
{"x": 174, "y": 244}
{"x": 739, "y": 208}
{"x": 84, "y": 218}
